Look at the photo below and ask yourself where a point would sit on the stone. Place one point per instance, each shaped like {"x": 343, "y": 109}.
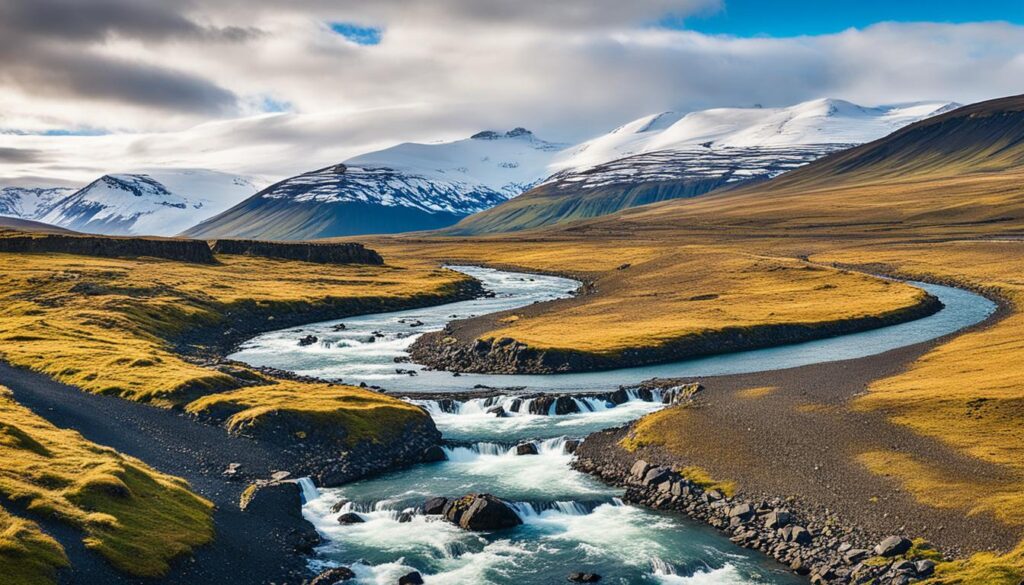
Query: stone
{"x": 413, "y": 578}
{"x": 798, "y": 567}
{"x": 655, "y": 476}
{"x": 639, "y": 469}
{"x": 713, "y": 495}
{"x": 497, "y": 411}
{"x": 433, "y": 454}
{"x": 232, "y": 471}
{"x": 481, "y": 512}
{"x": 924, "y": 567}
{"x": 777, "y": 519}
{"x": 855, "y": 555}
{"x": 526, "y": 449}
{"x": 405, "y": 517}
{"x": 571, "y": 446}
{"x": 338, "y": 506}
{"x": 308, "y": 340}
{"x": 350, "y": 518}
{"x": 434, "y": 506}
{"x": 797, "y": 534}
{"x": 893, "y": 546}
{"x": 333, "y": 576}
{"x": 742, "y": 511}
{"x": 584, "y": 577}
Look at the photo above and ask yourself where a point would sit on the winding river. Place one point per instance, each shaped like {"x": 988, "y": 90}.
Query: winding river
{"x": 571, "y": 522}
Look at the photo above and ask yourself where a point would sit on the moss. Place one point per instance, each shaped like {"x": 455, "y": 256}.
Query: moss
{"x": 135, "y": 517}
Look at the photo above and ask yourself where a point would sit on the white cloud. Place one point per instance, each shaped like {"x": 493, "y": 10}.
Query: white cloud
{"x": 180, "y": 87}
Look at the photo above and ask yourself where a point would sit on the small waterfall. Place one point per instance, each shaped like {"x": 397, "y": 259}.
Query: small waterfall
{"x": 530, "y": 510}
{"x": 662, "y": 568}
{"x": 309, "y": 491}
{"x": 516, "y": 406}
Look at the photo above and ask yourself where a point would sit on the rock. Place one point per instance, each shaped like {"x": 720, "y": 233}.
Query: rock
{"x": 777, "y": 519}
{"x": 584, "y": 577}
{"x": 526, "y": 449}
{"x": 497, "y": 411}
{"x": 433, "y": 454}
{"x": 280, "y": 476}
{"x": 332, "y": 576}
{"x": 308, "y": 340}
{"x": 338, "y": 506}
{"x": 405, "y": 517}
{"x": 797, "y": 534}
{"x": 413, "y": 578}
{"x": 232, "y": 471}
{"x": 481, "y": 512}
{"x": 798, "y": 567}
{"x": 434, "y": 506}
{"x": 338, "y": 327}
{"x": 855, "y": 555}
{"x": 350, "y": 518}
{"x": 924, "y": 567}
{"x": 655, "y": 476}
{"x": 713, "y": 495}
{"x": 892, "y": 546}
{"x": 639, "y": 469}
{"x": 742, "y": 511}
{"x": 571, "y": 445}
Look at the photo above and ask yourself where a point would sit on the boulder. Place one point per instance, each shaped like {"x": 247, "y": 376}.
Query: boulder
{"x": 797, "y": 534}
{"x": 656, "y": 475}
{"x": 742, "y": 511}
{"x": 413, "y": 578}
{"x": 892, "y": 546}
{"x": 497, "y": 411}
{"x": 777, "y": 519}
{"x": 434, "y": 506}
{"x": 584, "y": 577}
{"x": 924, "y": 567}
{"x": 308, "y": 340}
{"x": 526, "y": 449}
{"x": 855, "y": 555}
{"x": 433, "y": 454}
{"x": 339, "y": 505}
{"x": 350, "y": 518}
{"x": 481, "y": 512}
{"x": 333, "y": 576}
{"x": 571, "y": 445}
{"x": 640, "y": 469}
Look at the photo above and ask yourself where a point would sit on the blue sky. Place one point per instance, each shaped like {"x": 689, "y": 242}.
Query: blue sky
{"x": 785, "y": 18}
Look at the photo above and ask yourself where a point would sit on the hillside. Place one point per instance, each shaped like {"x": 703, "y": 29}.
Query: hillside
{"x": 669, "y": 156}
{"x": 404, "y": 188}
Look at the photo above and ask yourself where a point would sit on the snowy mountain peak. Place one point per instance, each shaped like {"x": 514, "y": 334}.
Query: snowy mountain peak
{"x": 516, "y": 132}
{"x": 157, "y": 202}
{"x": 815, "y": 122}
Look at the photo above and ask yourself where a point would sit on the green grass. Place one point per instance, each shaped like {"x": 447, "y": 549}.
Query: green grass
{"x": 28, "y": 556}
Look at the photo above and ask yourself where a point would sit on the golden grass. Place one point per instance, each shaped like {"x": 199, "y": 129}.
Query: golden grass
{"x": 672, "y": 292}
{"x": 137, "y": 518}
{"x": 759, "y": 392}
{"x": 28, "y": 556}
{"x": 104, "y": 324}
{"x": 312, "y": 409}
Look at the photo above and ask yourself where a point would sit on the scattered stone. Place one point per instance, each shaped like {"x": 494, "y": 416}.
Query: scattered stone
{"x": 892, "y": 546}
{"x": 413, "y": 578}
{"x": 584, "y": 577}
{"x": 924, "y": 567}
{"x": 777, "y": 519}
{"x": 350, "y": 518}
{"x": 333, "y": 576}
{"x": 855, "y": 555}
{"x": 338, "y": 327}
{"x": 308, "y": 340}
{"x": 233, "y": 471}
{"x": 742, "y": 511}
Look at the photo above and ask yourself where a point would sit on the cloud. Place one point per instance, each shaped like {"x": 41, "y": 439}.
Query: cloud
{"x": 190, "y": 83}
{"x": 20, "y": 155}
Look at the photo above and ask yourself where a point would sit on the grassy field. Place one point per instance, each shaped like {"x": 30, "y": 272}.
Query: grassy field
{"x": 135, "y": 517}
{"x": 647, "y": 294}
{"x": 28, "y": 555}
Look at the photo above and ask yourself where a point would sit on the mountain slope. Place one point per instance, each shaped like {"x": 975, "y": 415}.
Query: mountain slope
{"x": 668, "y": 156}
{"x": 403, "y": 188}
{"x": 159, "y": 202}
{"x": 30, "y": 202}
{"x": 949, "y": 174}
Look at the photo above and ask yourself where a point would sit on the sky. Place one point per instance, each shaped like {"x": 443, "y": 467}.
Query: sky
{"x": 270, "y": 88}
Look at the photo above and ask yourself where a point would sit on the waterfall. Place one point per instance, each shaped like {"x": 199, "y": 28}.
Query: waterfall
{"x": 517, "y": 406}
{"x": 309, "y": 491}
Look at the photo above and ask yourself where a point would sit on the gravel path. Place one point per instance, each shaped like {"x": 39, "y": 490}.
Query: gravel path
{"x": 247, "y": 548}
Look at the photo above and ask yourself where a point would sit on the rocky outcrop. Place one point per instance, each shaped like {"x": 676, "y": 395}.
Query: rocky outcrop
{"x": 480, "y": 512}
{"x": 322, "y": 253}
{"x": 109, "y": 247}
{"x": 821, "y": 548}
{"x": 281, "y": 496}
{"x": 333, "y": 576}
{"x": 444, "y": 350}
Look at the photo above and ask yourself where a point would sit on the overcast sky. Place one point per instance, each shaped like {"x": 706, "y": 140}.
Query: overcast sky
{"x": 274, "y": 88}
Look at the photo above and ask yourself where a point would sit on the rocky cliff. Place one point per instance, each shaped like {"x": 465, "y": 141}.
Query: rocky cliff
{"x": 334, "y": 253}
{"x": 108, "y": 247}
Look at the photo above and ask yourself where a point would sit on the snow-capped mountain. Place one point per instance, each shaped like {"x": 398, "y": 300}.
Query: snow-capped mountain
{"x": 157, "y": 202}
{"x": 407, "y": 187}
{"x": 30, "y": 202}
{"x": 822, "y": 121}
{"x": 668, "y": 156}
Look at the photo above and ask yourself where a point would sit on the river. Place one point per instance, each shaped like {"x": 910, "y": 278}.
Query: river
{"x": 571, "y": 522}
